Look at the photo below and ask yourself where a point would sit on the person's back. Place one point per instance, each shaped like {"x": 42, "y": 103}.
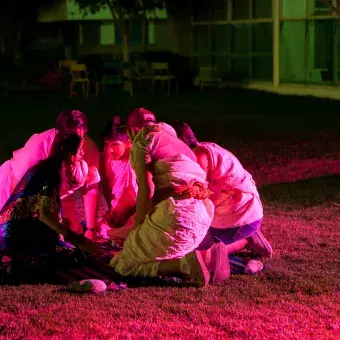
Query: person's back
{"x": 235, "y": 195}
{"x": 172, "y": 163}
{"x": 37, "y": 148}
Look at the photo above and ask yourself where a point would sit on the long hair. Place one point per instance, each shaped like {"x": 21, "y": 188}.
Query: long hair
{"x": 68, "y": 121}
{"x": 69, "y": 145}
{"x": 185, "y": 133}
{"x": 46, "y": 172}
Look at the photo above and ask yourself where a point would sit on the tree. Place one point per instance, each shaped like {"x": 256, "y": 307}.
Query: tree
{"x": 123, "y": 13}
{"x": 333, "y": 5}
{"x": 15, "y": 16}
{"x": 180, "y": 13}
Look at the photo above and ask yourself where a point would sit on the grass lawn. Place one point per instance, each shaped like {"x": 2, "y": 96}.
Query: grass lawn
{"x": 280, "y": 139}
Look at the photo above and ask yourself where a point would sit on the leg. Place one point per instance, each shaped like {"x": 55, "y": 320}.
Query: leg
{"x": 237, "y": 246}
{"x": 235, "y": 238}
{"x": 260, "y": 246}
{"x": 170, "y": 267}
{"x": 70, "y": 217}
{"x": 90, "y": 205}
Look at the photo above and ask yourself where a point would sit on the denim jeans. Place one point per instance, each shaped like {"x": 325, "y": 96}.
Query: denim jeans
{"x": 229, "y": 235}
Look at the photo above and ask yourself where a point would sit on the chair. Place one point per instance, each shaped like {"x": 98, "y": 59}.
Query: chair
{"x": 142, "y": 72}
{"x": 112, "y": 74}
{"x": 160, "y": 72}
{"x": 79, "y": 76}
{"x": 209, "y": 76}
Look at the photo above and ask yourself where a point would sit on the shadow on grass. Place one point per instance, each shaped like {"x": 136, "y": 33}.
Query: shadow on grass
{"x": 306, "y": 193}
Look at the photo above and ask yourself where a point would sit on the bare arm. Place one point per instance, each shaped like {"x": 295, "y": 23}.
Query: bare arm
{"x": 146, "y": 189}
{"x": 47, "y": 215}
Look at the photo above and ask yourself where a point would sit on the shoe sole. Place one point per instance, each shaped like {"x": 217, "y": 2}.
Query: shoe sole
{"x": 221, "y": 265}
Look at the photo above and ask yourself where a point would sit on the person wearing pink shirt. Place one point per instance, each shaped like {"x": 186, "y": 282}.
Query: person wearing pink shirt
{"x": 173, "y": 211}
{"x": 118, "y": 181}
{"x": 38, "y": 148}
{"x": 238, "y": 209}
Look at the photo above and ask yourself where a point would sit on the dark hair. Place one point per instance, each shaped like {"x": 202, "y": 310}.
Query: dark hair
{"x": 68, "y": 121}
{"x": 185, "y": 133}
{"x": 69, "y": 144}
{"x": 115, "y": 131}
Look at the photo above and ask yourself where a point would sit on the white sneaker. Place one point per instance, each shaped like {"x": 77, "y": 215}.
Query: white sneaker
{"x": 260, "y": 246}
{"x": 217, "y": 261}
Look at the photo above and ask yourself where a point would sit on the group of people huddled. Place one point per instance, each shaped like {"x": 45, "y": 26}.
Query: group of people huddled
{"x": 175, "y": 206}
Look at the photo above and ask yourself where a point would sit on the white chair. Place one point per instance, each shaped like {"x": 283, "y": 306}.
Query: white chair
{"x": 160, "y": 72}
{"x": 209, "y": 76}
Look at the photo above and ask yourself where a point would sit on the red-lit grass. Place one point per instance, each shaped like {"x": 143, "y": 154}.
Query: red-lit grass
{"x": 297, "y": 298}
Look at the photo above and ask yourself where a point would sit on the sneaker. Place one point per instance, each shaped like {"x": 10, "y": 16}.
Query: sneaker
{"x": 198, "y": 271}
{"x": 217, "y": 262}
{"x": 260, "y": 246}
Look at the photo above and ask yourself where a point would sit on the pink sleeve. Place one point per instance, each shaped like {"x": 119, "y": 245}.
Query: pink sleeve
{"x": 37, "y": 148}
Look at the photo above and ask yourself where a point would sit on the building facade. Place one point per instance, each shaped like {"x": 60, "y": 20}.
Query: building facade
{"x": 272, "y": 41}
{"x": 85, "y": 33}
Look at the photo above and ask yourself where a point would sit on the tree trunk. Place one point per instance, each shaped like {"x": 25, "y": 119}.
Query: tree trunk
{"x": 183, "y": 32}
{"x": 117, "y": 16}
{"x": 126, "y": 56}
{"x": 125, "y": 45}
{"x": 144, "y": 35}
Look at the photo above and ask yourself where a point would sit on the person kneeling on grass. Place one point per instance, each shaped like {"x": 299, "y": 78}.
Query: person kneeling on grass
{"x": 238, "y": 209}
{"x": 119, "y": 183}
{"x": 30, "y": 221}
{"x": 173, "y": 211}
{"x": 39, "y": 147}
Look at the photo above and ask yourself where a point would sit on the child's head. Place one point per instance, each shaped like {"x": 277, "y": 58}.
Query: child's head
{"x": 117, "y": 143}
{"x": 185, "y": 133}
